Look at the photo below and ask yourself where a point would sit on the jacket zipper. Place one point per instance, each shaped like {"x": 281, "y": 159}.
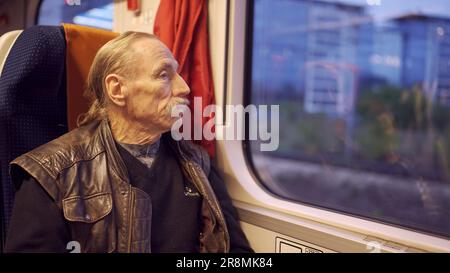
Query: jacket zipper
{"x": 130, "y": 218}
{"x": 215, "y": 206}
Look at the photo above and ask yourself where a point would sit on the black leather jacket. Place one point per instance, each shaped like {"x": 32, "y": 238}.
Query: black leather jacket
{"x": 84, "y": 174}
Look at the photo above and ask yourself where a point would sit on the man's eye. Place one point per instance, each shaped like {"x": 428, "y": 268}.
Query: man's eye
{"x": 164, "y": 75}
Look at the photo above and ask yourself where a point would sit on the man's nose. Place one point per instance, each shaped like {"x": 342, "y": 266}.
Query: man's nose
{"x": 180, "y": 87}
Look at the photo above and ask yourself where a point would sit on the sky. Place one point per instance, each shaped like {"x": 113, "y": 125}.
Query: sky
{"x": 387, "y": 8}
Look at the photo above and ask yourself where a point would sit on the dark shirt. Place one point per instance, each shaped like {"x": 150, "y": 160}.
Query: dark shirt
{"x": 37, "y": 224}
{"x": 144, "y": 153}
{"x": 171, "y": 206}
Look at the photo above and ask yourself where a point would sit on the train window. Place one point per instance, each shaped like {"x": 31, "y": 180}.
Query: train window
{"x": 98, "y": 13}
{"x": 363, "y": 89}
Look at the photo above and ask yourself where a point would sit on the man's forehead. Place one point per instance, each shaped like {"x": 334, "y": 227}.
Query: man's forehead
{"x": 154, "y": 52}
{"x": 152, "y": 47}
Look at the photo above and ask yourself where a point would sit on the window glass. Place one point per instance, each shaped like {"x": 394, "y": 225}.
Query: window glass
{"x": 92, "y": 13}
{"x": 363, "y": 88}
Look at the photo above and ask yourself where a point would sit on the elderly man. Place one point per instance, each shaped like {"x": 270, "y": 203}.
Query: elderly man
{"x": 120, "y": 183}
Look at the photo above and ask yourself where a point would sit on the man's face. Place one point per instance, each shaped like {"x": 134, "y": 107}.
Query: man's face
{"x": 156, "y": 88}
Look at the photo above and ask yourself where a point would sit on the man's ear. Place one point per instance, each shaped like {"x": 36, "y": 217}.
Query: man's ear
{"x": 115, "y": 90}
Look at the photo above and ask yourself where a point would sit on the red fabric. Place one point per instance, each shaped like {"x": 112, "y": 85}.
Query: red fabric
{"x": 182, "y": 26}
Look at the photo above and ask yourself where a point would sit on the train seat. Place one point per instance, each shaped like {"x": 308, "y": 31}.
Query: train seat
{"x": 41, "y": 90}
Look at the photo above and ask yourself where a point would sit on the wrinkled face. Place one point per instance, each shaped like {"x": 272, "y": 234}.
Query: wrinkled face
{"x": 156, "y": 88}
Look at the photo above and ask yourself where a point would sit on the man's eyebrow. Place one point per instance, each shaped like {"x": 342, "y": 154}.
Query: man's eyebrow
{"x": 166, "y": 65}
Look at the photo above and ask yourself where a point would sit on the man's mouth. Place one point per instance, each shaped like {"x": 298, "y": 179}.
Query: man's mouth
{"x": 180, "y": 103}
{"x": 184, "y": 101}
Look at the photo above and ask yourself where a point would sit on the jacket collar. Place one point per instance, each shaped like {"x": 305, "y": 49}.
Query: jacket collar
{"x": 114, "y": 159}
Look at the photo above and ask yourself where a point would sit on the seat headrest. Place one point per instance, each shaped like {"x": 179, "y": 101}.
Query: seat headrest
{"x": 6, "y": 42}
{"x": 34, "y": 71}
{"x": 82, "y": 46}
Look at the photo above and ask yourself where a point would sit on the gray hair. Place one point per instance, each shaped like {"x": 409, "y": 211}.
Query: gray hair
{"x": 113, "y": 57}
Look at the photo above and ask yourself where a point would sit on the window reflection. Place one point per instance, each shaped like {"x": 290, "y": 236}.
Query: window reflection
{"x": 92, "y": 13}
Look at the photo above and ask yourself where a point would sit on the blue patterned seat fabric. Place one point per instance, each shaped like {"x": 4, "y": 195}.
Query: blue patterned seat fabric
{"x": 32, "y": 100}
